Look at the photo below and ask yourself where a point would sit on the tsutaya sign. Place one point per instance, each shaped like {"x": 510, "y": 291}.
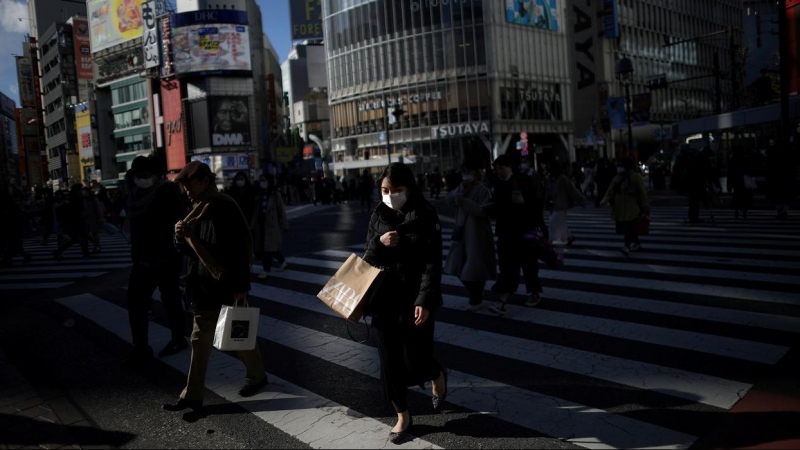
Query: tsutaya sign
{"x": 460, "y": 129}
{"x": 397, "y": 101}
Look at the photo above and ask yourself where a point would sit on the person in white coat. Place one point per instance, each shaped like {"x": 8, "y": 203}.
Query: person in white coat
{"x": 562, "y": 195}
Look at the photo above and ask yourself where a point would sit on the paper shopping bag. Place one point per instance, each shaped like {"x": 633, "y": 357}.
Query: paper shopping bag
{"x": 641, "y": 227}
{"x": 237, "y": 328}
{"x": 351, "y": 287}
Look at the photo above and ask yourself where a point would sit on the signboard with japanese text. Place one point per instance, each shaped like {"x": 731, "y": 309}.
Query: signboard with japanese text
{"x": 114, "y": 21}
{"x": 83, "y": 48}
{"x": 85, "y": 141}
{"x": 150, "y": 35}
{"x": 27, "y": 94}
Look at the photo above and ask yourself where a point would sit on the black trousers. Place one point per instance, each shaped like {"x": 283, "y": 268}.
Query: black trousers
{"x": 143, "y": 282}
{"x": 626, "y": 228}
{"x": 511, "y": 259}
{"x": 267, "y": 257}
{"x": 475, "y": 289}
{"x": 694, "y": 207}
{"x": 406, "y": 354}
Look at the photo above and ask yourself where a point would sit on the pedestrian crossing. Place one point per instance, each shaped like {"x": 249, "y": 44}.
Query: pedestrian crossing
{"x": 43, "y": 271}
{"x": 645, "y": 351}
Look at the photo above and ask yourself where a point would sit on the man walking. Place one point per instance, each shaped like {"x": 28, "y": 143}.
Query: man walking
{"x": 216, "y": 237}
{"x": 154, "y": 207}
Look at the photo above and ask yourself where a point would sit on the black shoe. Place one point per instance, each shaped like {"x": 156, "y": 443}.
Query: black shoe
{"x": 438, "y": 400}
{"x": 250, "y": 390}
{"x": 399, "y": 437}
{"x": 173, "y": 347}
{"x": 570, "y": 240}
{"x": 138, "y": 359}
{"x": 183, "y": 404}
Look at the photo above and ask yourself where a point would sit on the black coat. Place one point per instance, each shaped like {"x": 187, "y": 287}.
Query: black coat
{"x": 226, "y": 235}
{"x": 514, "y": 219}
{"x": 414, "y": 267}
{"x": 153, "y": 229}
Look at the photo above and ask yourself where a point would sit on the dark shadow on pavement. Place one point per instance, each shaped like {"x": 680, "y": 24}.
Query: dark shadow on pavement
{"x": 24, "y": 432}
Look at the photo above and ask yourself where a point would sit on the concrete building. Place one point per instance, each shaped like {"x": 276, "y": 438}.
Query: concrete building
{"x": 60, "y": 91}
{"x": 43, "y": 13}
{"x": 9, "y": 143}
{"x": 312, "y": 115}
{"x": 303, "y": 71}
{"x": 275, "y": 103}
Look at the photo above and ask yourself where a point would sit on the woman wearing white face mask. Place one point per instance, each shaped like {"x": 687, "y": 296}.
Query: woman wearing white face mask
{"x": 472, "y": 254}
{"x": 268, "y": 222}
{"x": 405, "y": 240}
{"x": 243, "y": 192}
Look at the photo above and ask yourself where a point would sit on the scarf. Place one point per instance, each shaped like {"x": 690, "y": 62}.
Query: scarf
{"x": 141, "y": 199}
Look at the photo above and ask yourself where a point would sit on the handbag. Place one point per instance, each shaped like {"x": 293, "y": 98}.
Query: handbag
{"x": 750, "y": 183}
{"x": 543, "y": 249}
{"x": 237, "y": 328}
{"x": 641, "y": 225}
{"x": 351, "y": 288}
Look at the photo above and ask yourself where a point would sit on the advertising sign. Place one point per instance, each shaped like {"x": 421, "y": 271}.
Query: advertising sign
{"x": 114, "y": 21}
{"x": 616, "y": 112}
{"x": 541, "y": 14}
{"x": 306, "y": 16}
{"x": 85, "y": 140}
{"x": 610, "y": 19}
{"x": 641, "y": 109}
{"x": 83, "y": 49}
{"x": 230, "y": 121}
{"x": 25, "y": 78}
{"x": 285, "y": 154}
{"x": 210, "y": 48}
{"x": 150, "y": 35}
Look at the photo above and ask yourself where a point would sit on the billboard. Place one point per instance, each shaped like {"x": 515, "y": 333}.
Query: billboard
{"x": 114, "y": 21}
{"x": 610, "y": 19}
{"x": 306, "y": 17}
{"x": 83, "y": 48}
{"x": 230, "y": 121}
{"x": 616, "y": 112}
{"x": 174, "y": 127}
{"x": 85, "y": 141}
{"x": 27, "y": 94}
{"x": 220, "y": 47}
{"x": 542, "y": 14}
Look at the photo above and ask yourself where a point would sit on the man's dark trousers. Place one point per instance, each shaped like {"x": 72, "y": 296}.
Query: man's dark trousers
{"x": 143, "y": 282}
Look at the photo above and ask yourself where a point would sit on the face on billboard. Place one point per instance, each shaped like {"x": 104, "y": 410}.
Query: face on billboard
{"x": 230, "y": 121}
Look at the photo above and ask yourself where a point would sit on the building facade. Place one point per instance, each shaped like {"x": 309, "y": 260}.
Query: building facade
{"x": 435, "y": 82}
{"x": 60, "y": 92}
{"x": 9, "y": 143}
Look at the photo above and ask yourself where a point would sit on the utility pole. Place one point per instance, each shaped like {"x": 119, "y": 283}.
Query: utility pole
{"x": 783, "y": 38}
{"x": 717, "y": 85}
{"x": 733, "y": 48}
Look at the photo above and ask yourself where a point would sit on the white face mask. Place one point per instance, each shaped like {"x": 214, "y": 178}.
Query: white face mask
{"x": 467, "y": 177}
{"x": 524, "y": 167}
{"x": 144, "y": 183}
{"x": 620, "y": 170}
{"x": 395, "y": 201}
{"x": 263, "y": 184}
{"x": 240, "y": 183}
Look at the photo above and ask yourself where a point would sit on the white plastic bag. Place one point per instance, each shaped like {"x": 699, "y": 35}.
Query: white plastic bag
{"x": 237, "y": 328}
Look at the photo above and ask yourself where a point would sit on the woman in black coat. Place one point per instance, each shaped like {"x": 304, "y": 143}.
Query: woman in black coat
{"x": 405, "y": 241}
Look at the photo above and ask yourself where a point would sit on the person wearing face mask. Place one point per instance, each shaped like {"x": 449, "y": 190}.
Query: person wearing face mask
{"x": 472, "y": 255}
{"x": 628, "y": 198}
{"x": 518, "y": 209}
{"x": 154, "y": 206}
{"x": 405, "y": 241}
{"x": 70, "y": 219}
{"x": 93, "y": 217}
{"x": 268, "y": 223}
{"x": 243, "y": 192}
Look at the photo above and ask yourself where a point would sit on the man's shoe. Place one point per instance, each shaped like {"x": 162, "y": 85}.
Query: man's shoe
{"x": 250, "y": 390}
{"x": 533, "y": 299}
{"x": 625, "y": 251}
{"x": 499, "y": 309}
{"x": 283, "y": 266}
{"x": 570, "y": 240}
{"x": 472, "y": 308}
{"x": 263, "y": 275}
{"x": 173, "y": 347}
{"x": 635, "y": 247}
{"x": 183, "y": 404}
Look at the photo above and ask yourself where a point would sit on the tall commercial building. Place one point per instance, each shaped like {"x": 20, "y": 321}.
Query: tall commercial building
{"x": 431, "y": 82}
{"x": 9, "y": 153}
{"x": 275, "y": 103}
{"x": 303, "y": 71}
{"x": 43, "y": 13}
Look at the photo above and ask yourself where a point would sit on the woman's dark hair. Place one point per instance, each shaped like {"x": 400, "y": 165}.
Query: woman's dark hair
{"x": 400, "y": 174}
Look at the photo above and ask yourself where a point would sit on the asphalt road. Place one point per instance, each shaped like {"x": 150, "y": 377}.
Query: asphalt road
{"x": 649, "y": 350}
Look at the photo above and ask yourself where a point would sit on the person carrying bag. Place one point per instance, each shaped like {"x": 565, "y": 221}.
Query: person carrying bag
{"x": 216, "y": 238}
{"x": 629, "y": 209}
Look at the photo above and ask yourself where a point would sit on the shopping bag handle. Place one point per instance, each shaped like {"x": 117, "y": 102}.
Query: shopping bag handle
{"x": 347, "y": 324}
{"x": 243, "y": 301}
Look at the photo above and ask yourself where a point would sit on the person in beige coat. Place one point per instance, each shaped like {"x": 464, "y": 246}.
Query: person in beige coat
{"x": 562, "y": 195}
{"x": 628, "y": 198}
{"x": 268, "y": 224}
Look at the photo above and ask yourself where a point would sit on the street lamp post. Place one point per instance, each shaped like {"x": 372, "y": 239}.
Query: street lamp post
{"x": 624, "y": 75}
{"x": 396, "y": 112}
